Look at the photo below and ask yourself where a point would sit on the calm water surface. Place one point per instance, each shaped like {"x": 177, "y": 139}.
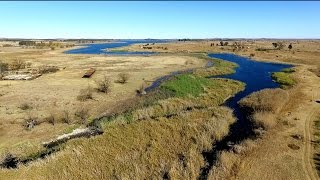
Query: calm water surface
{"x": 100, "y": 48}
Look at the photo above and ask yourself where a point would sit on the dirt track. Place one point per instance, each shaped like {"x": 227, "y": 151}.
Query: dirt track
{"x": 308, "y": 149}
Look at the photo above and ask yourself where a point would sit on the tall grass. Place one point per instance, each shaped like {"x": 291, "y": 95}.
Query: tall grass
{"x": 219, "y": 67}
{"x": 263, "y": 105}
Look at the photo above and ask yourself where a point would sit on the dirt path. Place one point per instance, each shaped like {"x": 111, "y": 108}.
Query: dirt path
{"x": 312, "y": 88}
{"x": 308, "y": 149}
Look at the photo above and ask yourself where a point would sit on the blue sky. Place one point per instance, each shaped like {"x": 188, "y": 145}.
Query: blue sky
{"x": 160, "y": 19}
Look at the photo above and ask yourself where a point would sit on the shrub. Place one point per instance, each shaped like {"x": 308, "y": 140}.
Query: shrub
{"x": 9, "y": 161}
{"x": 28, "y": 64}
{"x": 3, "y": 67}
{"x": 261, "y": 49}
{"x": 65, "y": 118}
{"x": 47, "y": 69}
{"x": 85, "y": 94}
{"x": 17, "y": 64}
{"x": 103, "y": 85}
{"x": 30, "y": 122}
{"x": 252, "y": 55}
{"x": 25, "y": 106}
{"x": 123, "y": 78}
{"x": 51, "y": 118}
{"x": 141, "y": 90}
{"x": 82, "y": 113}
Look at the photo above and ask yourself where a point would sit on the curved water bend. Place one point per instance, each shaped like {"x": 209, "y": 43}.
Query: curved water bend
{"x": 101, "y": 47}
{"x": 257, "y": 76}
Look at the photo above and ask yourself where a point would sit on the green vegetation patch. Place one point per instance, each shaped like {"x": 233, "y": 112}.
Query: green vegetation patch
{"x": 284, "y": 77}
{"x": 186, "y": 84}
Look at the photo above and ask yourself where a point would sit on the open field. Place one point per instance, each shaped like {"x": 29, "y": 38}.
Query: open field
{"x": 56, "y": 93}
{"x": 165, "y": 137}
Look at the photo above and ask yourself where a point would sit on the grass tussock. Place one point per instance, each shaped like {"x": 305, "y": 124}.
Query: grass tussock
{"x": 123, "y": 78}
{"x": 25, "y": 106}
{"x": 263, "y": 105}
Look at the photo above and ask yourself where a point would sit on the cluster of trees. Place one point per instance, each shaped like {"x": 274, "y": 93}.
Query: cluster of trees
{"x": 27, "y": 43}
{"x": 42, "y": 44}
{"x": 281, "y": 45}
{"x": 184, "y": 40}
{"x": 224, "y": 43}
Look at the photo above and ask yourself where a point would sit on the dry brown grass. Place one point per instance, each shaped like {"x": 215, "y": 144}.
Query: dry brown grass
{"x": 228, "y": 162}
{"x": 168, "y": 142}
{"x": 263, "y": 105}
{"x": 144, "y": 149}
{"x": 265, "y": 100}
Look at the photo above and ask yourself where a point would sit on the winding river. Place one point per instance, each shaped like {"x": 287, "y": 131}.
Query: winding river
{"x": 256, "y": 75}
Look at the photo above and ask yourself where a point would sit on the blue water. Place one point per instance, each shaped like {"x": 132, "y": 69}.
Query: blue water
{"x": 257, "y": 76}
{"x": 100, "y": 48}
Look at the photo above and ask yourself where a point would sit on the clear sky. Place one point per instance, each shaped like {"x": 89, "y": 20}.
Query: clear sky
{"x": 160, "y": 19}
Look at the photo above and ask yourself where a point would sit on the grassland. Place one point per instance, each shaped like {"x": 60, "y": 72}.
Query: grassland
{"x": 162, "y": 134}
{"x": 53, "y": 96}
{"x": 158, "y": 139}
